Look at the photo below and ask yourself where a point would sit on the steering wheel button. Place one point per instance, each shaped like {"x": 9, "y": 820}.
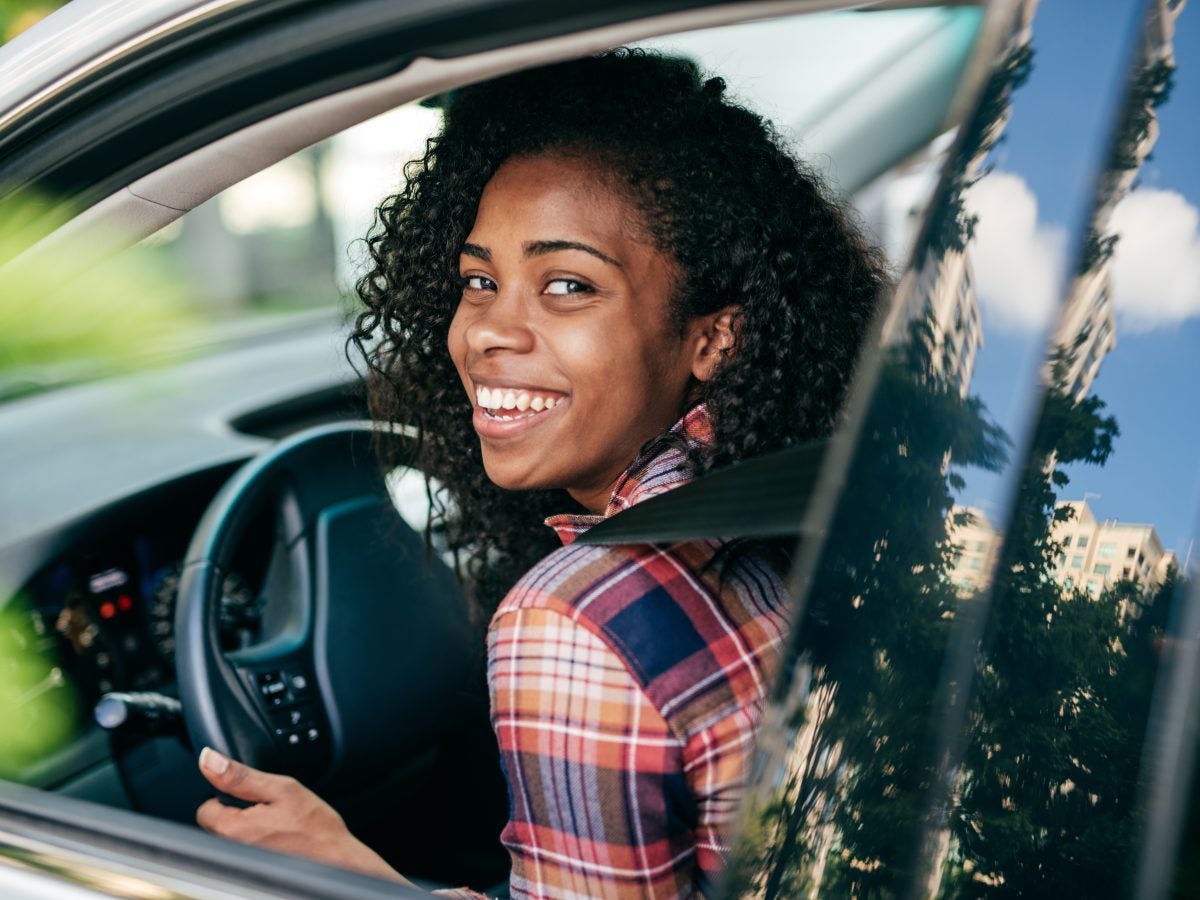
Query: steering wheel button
{"x": 293, "y": 738}
{"x": 313, "y": 734}
{"x": 299, "y": 683}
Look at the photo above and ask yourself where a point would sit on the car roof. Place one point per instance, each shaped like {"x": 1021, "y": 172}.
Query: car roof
{"x": 57, "y": 50}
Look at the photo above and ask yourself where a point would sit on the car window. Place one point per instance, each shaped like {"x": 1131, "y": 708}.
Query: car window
{"x": 284, "y": 246}
{"x": 289, "y": 238}
{"x": 993, "y": 669}
{"x": 279, "y": 249}
{"x": 282, "y": 249}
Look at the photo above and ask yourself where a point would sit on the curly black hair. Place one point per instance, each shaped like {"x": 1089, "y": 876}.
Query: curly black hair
{"x": 745, "y": 221}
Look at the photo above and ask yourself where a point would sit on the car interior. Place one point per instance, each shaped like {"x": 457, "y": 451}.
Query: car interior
{"x": 199, "y": 545}
{"x": 99, "y": 563}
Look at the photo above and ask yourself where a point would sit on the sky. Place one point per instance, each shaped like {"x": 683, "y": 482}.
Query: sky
{"x": 1038, "y": 193}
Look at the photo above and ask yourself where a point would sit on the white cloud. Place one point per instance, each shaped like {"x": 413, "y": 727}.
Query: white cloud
{"x": 1156, "y": 263}
{"x": 1018, "y": 262}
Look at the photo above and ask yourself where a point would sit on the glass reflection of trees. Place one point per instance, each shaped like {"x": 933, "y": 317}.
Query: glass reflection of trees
{"x": 1046, "y": 800}
{"x": 842, "y": 807}
{"x": 842, "y": 817}
{"x": 1039, "y": 797}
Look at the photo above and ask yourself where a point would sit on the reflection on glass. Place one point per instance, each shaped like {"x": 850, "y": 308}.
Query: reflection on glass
{"x": 846, "y": 770}
{"x": 956, "y": 716}
{"x": 1045, "y": 798}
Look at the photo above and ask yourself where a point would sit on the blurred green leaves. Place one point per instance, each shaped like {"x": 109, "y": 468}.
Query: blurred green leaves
{"x": 62, "y": 322}
{"x": 39, "y": 712}
{"x": 17, "y": 15}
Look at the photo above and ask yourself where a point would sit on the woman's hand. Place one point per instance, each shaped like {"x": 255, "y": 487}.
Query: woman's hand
{"x": 286, "y": 816}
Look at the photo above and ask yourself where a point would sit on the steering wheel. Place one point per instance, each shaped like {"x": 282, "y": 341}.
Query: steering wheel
{"x": 366, "y": 643}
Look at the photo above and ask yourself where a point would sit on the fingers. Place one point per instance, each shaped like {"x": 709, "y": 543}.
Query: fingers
{"x": 240, "y": 780}
{"x": 215, "y": 816}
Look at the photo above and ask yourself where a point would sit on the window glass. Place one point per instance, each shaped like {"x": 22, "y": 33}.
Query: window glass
{"x": 1019, "y": 423}
{"x": 273, "y": 251}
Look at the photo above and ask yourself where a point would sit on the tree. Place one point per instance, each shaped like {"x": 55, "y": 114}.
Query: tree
{"x": 1049, "y": 783}
{"x": 847, "y": 810}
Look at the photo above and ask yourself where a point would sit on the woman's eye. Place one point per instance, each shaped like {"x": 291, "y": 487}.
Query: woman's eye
{"x": 478, "y": 283}
{"x": 567, "y": 286}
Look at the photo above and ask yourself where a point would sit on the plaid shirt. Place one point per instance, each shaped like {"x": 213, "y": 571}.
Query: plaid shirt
{"x": 626, "y": 685}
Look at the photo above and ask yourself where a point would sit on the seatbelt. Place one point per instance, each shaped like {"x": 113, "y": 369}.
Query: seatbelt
{"x": 766, "y": 496}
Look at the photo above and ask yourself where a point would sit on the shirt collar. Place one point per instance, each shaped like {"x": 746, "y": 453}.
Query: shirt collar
{"x": 661, "y": 466}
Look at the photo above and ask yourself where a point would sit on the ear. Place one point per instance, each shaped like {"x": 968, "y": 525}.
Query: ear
{"x": 715, "y": 340}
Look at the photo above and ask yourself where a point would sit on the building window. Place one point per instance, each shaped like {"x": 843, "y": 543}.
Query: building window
{"x": 1141, "y": 558}
{"x": 1083, "y": 541}
{"x": 1067, "y": 541}
{"x": 1102, "y": 569}
{"x": 1126, "y": 572}
{"x": 1093, "y": 588}
{"x": 975, "y": 563}
{"x": 1130, "y": 552}
{"x": 1062, "y": 558}
{"x": 1108, "y": 551}
{"x": 1076, "y": 562}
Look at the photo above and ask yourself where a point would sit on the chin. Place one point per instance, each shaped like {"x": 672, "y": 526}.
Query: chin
{"x": 512, "y": 477}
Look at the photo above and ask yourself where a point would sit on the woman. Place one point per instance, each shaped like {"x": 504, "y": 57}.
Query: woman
{"x": 602, "y": 280}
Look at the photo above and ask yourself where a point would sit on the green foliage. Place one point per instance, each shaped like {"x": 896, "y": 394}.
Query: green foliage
{"x": 38, "y": 710}
{"x": 1049, "y": 783}
{"x": 1150, "y": 90}
{"x": 17, "y": 15}
{"x": 951, "y": 226}
{"x": 117, "y": 316}
{"x": 850, "y": 806}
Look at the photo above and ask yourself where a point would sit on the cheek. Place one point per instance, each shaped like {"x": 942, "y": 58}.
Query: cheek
{"x": 456, "y": 343}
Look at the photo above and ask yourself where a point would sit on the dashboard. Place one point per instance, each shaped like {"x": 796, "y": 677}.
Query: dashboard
{"x": 107, "y": 614}
{"x": 101, "y": 488}
{"x": 100, "y": 616}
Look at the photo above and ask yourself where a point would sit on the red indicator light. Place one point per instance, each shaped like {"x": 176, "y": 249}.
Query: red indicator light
{"x": 125, "y": 602}
{"x": 107, "y": 609}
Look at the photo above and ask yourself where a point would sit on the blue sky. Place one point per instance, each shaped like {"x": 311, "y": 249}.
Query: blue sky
{"x": 1151, "y": 382}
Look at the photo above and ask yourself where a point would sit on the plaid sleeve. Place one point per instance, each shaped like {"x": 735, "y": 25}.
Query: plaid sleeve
{"x": 601, "y": 806}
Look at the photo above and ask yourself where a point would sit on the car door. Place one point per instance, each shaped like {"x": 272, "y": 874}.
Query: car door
{"x": 991, "y": 686}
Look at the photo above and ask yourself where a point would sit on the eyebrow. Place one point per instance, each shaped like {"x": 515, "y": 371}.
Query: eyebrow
{"x": 476, "y": 251}
{"x": 539, "y": 248}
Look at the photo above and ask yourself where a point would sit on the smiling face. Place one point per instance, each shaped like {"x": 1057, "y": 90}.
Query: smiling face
{"x": 563, "y": 338}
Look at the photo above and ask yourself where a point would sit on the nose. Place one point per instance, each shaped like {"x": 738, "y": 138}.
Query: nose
{"x": 502, "y": 324}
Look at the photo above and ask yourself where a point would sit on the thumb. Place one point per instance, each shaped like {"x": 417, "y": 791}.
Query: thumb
{"x": 238, "y": 779}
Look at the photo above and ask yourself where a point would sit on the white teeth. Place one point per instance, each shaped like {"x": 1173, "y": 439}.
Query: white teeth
{"x": 496, "y": 399}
